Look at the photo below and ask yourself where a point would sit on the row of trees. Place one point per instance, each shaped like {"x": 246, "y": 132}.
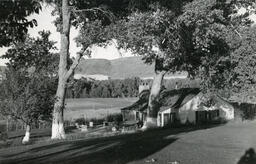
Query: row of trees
{"x": 129, "y": 87}
{"x": 84, "y": 88}
{"x": 206, "y": 38}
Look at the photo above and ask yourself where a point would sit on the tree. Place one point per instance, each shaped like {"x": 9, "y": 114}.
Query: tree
{"x": 154, "y": 34}
{"x": 34, "y": 54}
{"x": 30, "y": 84}
{"x": 27, "y": 98}
{"x": 224, "y": 40}
{"x": 91, "y": 17}
{"x": 14, "y": 23}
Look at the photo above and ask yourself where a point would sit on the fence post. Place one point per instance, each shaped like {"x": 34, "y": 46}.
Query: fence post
{"x": 7, "y": 125}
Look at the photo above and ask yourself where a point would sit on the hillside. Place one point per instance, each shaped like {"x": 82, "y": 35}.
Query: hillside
{"x": 121, "y": 68}
{"x": 94, "y": 66}
{"x": 117, "y": 69}
{"x": 130, "y": 67}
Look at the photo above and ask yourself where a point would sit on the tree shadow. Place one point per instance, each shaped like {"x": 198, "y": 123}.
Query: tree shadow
{"x": 108, "y": 150}
{"x": 37, "y": 133}
{"x": 249, "y": 157}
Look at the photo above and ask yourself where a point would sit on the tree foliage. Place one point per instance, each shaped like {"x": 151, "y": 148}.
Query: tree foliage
{"x": 27, "y": 92}
{"x": 27, "y": 98}
{"x": 216, "y": 29}
{"x": 14, "y": 23}
{"x": 84, "y": 88}
{"x": 154, "y": 35}
{"x": 34, "y": 53}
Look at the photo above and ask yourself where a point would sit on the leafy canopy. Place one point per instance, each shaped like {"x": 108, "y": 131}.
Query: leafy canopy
{"x": 13, "y": 19}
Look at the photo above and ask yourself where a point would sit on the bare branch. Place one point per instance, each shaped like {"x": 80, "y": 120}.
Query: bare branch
{"x": 236, "y": 31}
{"x": 107, "y": 13}
{"x": 74, "y": 65}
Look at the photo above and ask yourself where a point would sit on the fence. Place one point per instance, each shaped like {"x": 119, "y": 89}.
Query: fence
{"x": 11, "y": 125}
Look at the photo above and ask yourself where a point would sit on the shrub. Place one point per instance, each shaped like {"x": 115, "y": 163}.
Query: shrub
{"x": 80, "y": 121}
{"x": 116, "y": 118}
{"x": 97, "y": 121}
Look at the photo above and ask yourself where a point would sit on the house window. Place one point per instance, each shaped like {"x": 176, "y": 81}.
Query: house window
{"x": 169, "y": 118}
{"x": 137, "y": 116}
{"x": 206, "y": 116}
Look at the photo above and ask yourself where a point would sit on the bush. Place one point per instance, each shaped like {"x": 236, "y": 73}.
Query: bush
{"x": 97, "y": 121}
{"x": 116, "y": 118}
{"x": 80, "y": 121}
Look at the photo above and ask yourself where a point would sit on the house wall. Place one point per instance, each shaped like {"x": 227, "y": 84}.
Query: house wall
{"x": 160, "y": 119}
{"x": 128, "y": 115}
{"x": 188, "y": 111}
{"x": 132, "y": 115}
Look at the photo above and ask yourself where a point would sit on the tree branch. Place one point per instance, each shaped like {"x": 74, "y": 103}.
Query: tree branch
{"x": 95, "y": 9}
{"x": 236, "y": 31}
{"x": 74, "y": 65}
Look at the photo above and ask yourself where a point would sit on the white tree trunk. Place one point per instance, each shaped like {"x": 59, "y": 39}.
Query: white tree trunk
{"x": 26, "y": 138}
{"x": 64, "y": 73}
{"x": 153, "y": 102}
{"x": 58, "y": 131}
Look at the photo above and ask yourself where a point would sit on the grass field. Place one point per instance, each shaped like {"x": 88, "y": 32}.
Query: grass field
{"x": 225, "y": 144}
{"x": 95, "y": 107}
{"x": 90, "y": 108}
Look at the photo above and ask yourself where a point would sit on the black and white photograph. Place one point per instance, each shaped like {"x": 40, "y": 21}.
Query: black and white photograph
{"x": 127, "y": 81}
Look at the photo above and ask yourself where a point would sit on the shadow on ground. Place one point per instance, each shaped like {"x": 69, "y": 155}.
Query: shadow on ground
{"x": 249, "y": 157}
{"x": 109, "y": 150}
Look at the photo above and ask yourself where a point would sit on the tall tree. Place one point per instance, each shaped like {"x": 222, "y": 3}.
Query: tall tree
{"x": 91, "y": 17}
{"x": 224, "y": 40}
{"x": 154, "y": 34}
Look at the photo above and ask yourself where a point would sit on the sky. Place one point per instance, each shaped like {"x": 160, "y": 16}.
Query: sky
{"x": 45, "y": 22}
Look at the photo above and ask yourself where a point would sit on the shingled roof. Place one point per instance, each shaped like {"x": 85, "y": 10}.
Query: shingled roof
{"x": 168, "y": 98}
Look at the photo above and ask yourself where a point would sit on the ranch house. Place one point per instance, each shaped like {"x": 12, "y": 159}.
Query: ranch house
{"x": 185, "y": 105}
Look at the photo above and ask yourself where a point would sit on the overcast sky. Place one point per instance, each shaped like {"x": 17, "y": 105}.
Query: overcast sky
{"x": 45, "y": 19}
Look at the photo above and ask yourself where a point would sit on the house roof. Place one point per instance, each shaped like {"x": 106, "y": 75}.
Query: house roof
{"x": 168, "y": 98}
{"x": 177, "y": 98}
{"x": 141, "y": 104}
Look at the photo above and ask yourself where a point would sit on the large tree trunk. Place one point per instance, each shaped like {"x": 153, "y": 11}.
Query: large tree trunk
{"x": 57, "y": 122}
{"x": 27, "y": 135}
{"x": 153, "y": 102}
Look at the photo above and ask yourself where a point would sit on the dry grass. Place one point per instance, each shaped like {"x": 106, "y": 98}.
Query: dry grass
{"x": 95, "y": 107}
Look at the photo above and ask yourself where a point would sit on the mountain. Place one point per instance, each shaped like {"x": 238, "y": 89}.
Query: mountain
{"x": 126, "y": 67}
{"x": 130, "y": 67}
{"x": 118, "y": 68}
{"x": 94, "y": 66}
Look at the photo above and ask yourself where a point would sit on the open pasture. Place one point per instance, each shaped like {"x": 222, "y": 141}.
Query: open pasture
{"x": 94, "y": 107}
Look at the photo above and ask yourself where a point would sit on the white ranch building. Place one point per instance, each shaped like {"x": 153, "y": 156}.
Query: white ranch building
{"x": 193, "y": 110}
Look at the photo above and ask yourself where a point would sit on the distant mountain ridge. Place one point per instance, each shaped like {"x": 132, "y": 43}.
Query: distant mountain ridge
{"x": 120, "y": 68}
